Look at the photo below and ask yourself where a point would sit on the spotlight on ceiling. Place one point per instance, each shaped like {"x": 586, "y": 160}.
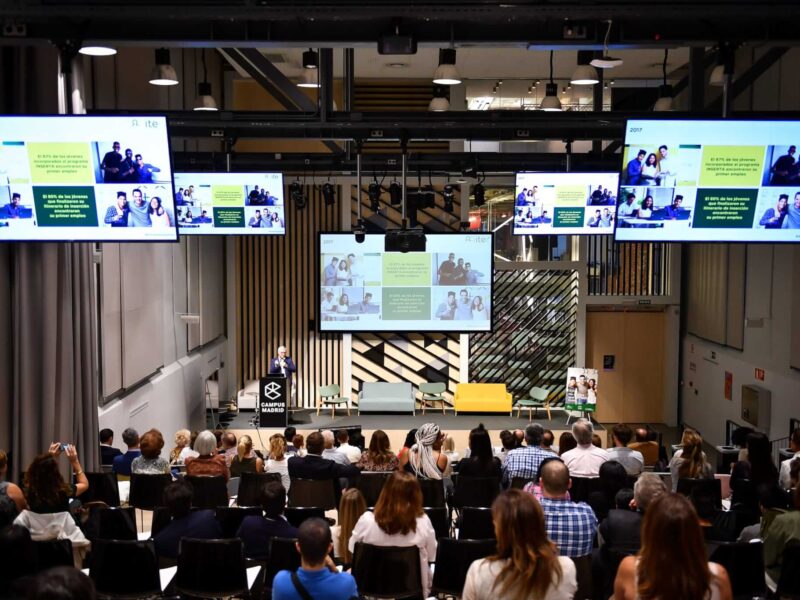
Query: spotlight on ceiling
{"x": 724, "y": 66}
{"x": 310, "y": 59}
{"x": 328, "y": 193}
{"x": 550, "y": 102}
{"x": 374, "y": 193}
{"x": 449, "y": 196}
{"x": 395, "y": 194}
{"x": 439, "y": 102}
{"x": 447, "y": 73}
{"x": 97, "y": 51}
{"x": 584, "y": 74}
{"x": 296, "y": 193}
{"x": 480, "y": 194}
{"x": 309, "y": 79}
{"x": 361, "y": 231}
{"x": 163, "y": 72}
{"x": 606, "y": 61}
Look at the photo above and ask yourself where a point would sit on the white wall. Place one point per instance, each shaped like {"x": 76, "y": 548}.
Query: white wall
{"x": 769, "y": 306}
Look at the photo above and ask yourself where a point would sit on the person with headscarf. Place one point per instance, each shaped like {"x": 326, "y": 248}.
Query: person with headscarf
{"x": 425, "y": 458}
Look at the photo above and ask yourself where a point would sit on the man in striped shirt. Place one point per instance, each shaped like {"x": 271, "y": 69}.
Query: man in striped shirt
{"x": 571, "y": 525}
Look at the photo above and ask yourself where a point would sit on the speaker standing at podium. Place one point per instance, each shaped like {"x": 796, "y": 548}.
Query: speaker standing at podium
{"x": 285, "y": 366}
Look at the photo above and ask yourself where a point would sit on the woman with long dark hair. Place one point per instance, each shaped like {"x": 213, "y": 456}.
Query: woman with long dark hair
{"x": 379, "y": 455}
{"x": 527, "y": 564}
{"x": 45, "y": 488}
{"x": 671, "y": 563}
{"x": 758, "y": 469}
{"x": 612, "y": 478}
{"x": 481, "y": 461}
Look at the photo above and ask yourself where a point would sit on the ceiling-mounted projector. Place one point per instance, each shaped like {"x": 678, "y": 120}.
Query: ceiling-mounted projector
{"x": 404, "y": 240}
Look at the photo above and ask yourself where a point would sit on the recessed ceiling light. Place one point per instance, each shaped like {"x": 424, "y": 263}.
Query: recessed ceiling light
{"x": 97, "y": 50}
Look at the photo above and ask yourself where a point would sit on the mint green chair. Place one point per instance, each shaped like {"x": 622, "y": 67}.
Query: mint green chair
{"x": 329, "y": 395}
{"x": 432, "y": 393}
{"x": 539, "y": 398}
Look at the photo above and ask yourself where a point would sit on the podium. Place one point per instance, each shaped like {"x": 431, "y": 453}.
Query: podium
{"x": 273, "y": 398}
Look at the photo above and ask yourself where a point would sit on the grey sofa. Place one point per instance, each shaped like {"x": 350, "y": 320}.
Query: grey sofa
{"x": 386, "y": 397}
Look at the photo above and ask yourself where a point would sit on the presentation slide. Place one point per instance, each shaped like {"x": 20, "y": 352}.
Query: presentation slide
{"x": 710, "y": 181}
{"x": 565, "y": 203}
{"x": 446, "y": 288}
{"x": 86, "y": 178}
{"x": 230, "y": 203}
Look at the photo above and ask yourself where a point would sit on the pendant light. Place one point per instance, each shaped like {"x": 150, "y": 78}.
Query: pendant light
{"x": 550, "y": 102}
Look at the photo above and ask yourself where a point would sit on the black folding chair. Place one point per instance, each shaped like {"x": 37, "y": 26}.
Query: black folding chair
{"x": 476, "y": 524}
{"x": 789, "y": 580}
{"x": 371, "y": 483}
{"x": 211, "y": 568}
{"x": 745, "y": 565}
{"x": 160, "y": 520}
{"x": 432, "y": 492}
{"x": 147, "y": 491}
{"x": 387, "y": 571}
{"x": 517, "y": 483}
{"x": 103, "y": 487}
{"x": 453, "y": 559}
{"x": 319, "y": 493}
{"x": 283, "y": 555}
{"x": 230, "y": 518}
{"x": 250, "y": 487}
{"x": 476, "y": 491}
{"x": 125, "y": 568}
{"x": 208, "y": 492}
{"x": 581, "y": 488}
{"x": 439, "y": 520}
{"x": 297, "y": 514}
{"x": 713, "y": 486}
{"x": 110, "y": 523}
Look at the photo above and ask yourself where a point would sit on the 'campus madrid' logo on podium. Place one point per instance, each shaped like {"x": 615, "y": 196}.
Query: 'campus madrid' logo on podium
{"x": 272, "y": 390}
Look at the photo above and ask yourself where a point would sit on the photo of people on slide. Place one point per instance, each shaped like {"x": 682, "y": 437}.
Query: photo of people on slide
{"x": 467, "y": 269}
{"x": 258, "y": 195}
{"x": 135, "y": 206}
{"x": 14, "y": 204}
{"x": 131, "y": 165}
{"x": 652, "y": 207}
{"x": 264, "y": 218}
{"x": 781, "y": 167}
{"x": 351, "y": 269}
{"x": 778, "y": 208}
{"x": 464, "y": 304}
{"x": 350, "y": 303}
{"x": 532, "y": 217}
{"x": 195, "y": 217}
{"x": 660, "y": 166}
{"x": 581, "y": 389}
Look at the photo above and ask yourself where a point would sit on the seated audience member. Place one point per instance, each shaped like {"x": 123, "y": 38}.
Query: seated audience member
{"x": 569, "y": 524}
{"x": 507, "y": 444}
{"x": 631, "y": 459}
{"x": 183, "y": 447}
{"x": 739, "y": 439}
{"x": 794, "y": 446}
{"x": 107, "y": 450}
{"x": 672, "y": 560}
{"x": 317, "y": 576}
{"x": 585, "y": 459}
{"x": 758, "y": 470}
{"x": 425, "y": 458}
{"x": 645, "y": 446}
{"x": 449, "y": 449}
{"x": 353, "y": 453}
{"x": 227, "y": 446}
{"x": 288, "y": 436}
{"x": 547, "y": 440}
{"x": 18, "y": 566}
{"x": 221, "y": 447}
{"x": 612, "y": 478}
{"x": 150, "y": 461}
{"x": 256, "y": 531}
{"x": 690, "y": 461}
{"x": 481, "y": 461}
{"x": 246, "y": 461}
{"x": 208, "y": 462}
{"x": 717, "y": 525}
{"x": 623, "y": 499}
{"x": 783, "y": 531}
{"x": 402, "y": 456}
{"x": 314, "y": 466}
{"x": 277, "y": 461}
{"x": 61, "y": 583}
{"x": 525, "y": 461}
{"x": 298, "y": 441}
{"x": 122, "y": 463}
{"x": 331, "y": 453}
{"x": 398, "y": 520}
{"x": 519, "y": 438}
{"x": 534, "y": 487}
{"x": 351, "y": 507}
{"x": 185, "y": 522}
{"x": 45, "y": 488}
{"x": 379, "y": 456}
{"x": 566, "y": 442}
{"x": 596, "y": 441}
{"x": 12, "y": 500}
{"x": 527, "y": 564}
{"x": 771, "y": 503}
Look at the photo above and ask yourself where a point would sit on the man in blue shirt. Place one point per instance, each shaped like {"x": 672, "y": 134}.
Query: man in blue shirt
{"x": 330, "y": 272}
{"x": 185, "y": 523}
{"x": 12, "y": 208}
{"x": 139, "y": 215}
{"x": 463, "y": 308}
{"x": 634, "y": 170}
{"x": 256, "y": 531}
{"x": 471, "y": 276}
{"x": 122, "y": 463}
{"x": 674, "y": 211}
{"x": 524, "y": 462}
{"x": 317, "y": 575}
{"x": 571, "y": 525}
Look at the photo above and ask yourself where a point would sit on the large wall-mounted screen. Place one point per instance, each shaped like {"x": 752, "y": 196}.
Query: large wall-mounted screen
{"x": 716, "y": 181}
{"x": 86, "y": 178}
{"x": 446, "y": 288}
{"x": 230, "y": 203}
{"x": 565, "y": 203}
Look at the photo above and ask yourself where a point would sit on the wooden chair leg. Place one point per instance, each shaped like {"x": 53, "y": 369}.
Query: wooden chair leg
{"x": 348, "y": 409}
{"x": 442, "y": 401}
{"x": 319, "y": 405}
{"x": 547, "y": 408}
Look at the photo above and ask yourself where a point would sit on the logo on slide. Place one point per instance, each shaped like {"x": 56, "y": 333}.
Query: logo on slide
{"x": 272, "y": 390}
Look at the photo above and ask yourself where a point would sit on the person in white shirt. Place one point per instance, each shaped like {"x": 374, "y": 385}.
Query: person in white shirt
{"x": 332, "y": 453}
{"x": 794, "y": 445}
{"x": 667, "y": 172}
{"x": 628, "y": 208}
{"x": 585, "y": 460}
{"x": 351, "y": 452}
{"x": 632, "y": 460}
{"x": 328, "y": 304}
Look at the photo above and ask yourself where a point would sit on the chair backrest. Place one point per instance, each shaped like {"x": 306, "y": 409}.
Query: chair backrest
{"x": 583, "y": 574}
{"x": 387, "y": 571}
{"x": 432, "y": 492}
{"x": 439, "y": 520}
{"x": 251, "y": 485}
{"x": 111, "y": 523}
{"x": 476, "y": 491}
{"x": 686, "y": 485}
{"x": 125, "y": 568}
{"x": 789, "y": 580}
{"x": 745, "y": 565}
{"x": 539, "y": 394}
{"x": 160, "y": 520}
{"x": 233, "y": 486}
{"x": 453, "y": 558}
{"x": 581, "y": 487}
{"x": 319, "y": 493}
{"x": 103, "y": 487}
{"x": 370, "y": 484}
{"x": 432, "y": 388}
{"x": 230, "y": 518}
{"x": 282, "y": 556}
{"x": 328, "y": 391}
{"x": 297, "y": 514}
{"x": 147, "y": 490}
{"x": 476, "y": 524}
{"x": 517, "y": 483}
{"x": 208, "y": 491}
{"x": 53, "y": 553}
{"x": 211, "y": 568}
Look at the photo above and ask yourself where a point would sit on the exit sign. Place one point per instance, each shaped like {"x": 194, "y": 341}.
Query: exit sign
{"x": 760, "y": 374}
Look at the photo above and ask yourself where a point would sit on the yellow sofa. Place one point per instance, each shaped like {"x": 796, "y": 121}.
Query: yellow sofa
{"x": 482, "y": 397}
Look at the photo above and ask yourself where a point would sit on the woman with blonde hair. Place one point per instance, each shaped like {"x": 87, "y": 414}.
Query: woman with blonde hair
{"x": 527, "y": 564}
{"x": 277, "y": 462}
{"x": 690, "y": 461}
{"x": 351, "y": 507}
{"x": 245, "y": 460}
{"x": 183, "y": 447}
{"x": 672, "y": 560}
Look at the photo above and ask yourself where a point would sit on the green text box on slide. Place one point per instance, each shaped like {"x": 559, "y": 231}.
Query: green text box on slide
{"x": 571, "y": 195}
{"x": 406, "y": 304}
{"x": 228, "y": 217}
{"x": 725, "y": 208}
{"x": 732, "y": 166}
{"x": 568, "y": 217}
{"x": 409, "y": 269}
{"x": 68, "y": 206}
{"x": 227, "y": 195}
{"x": 60, "y": 162}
